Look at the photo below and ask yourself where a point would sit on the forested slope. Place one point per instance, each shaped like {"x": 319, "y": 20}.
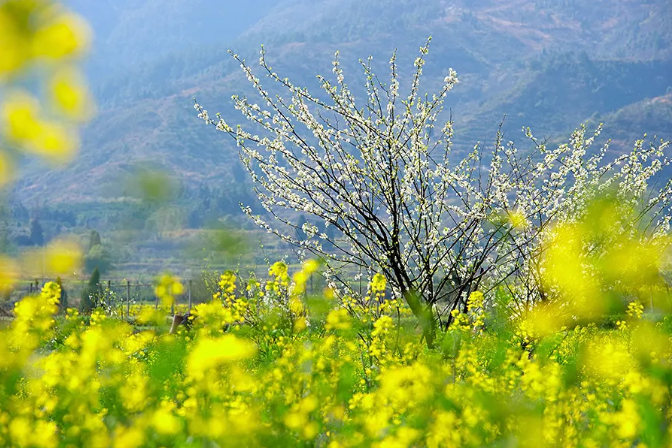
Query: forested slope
{"x": 544, "y": 64}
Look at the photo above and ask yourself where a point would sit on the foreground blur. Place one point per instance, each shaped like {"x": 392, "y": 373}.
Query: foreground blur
{"x": 266, "y": 365}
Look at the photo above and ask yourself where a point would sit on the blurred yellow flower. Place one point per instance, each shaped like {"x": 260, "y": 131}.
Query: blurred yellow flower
{"x": 63, "y": 257}
{"x": 13, "y": 40}
{"x": 211, "y": 353}
{"x": 310, "y": 266}
{"x": 20, "y": 117}
{"x": 167, "y": 288}
{"x": 608, "y": 359}
{"x": 30, "y": 32}
{"x": 164, "y": 422}
{"x": 70, "y": 95}
{"x": 300, "y": 324}
{"x": 64, "y": 35}
{"x": 338, "y": 319}
{"x": 9, "y": 272}
{"x": 55, "y": 142}
{"x": 295, "y": 305}
{"x": 22, "y": 124}
{"x": 128, "y": 437}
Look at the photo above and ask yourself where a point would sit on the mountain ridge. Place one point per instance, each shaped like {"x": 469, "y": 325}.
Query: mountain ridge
{"x": 514, "y": 58}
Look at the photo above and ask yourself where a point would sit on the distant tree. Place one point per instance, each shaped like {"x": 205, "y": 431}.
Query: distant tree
{"x": 36, "y": 233}
{"x": 94, "y": 239}
{"x": 90, "y": 294}
{"x": 23, "y": 240}
{"x": 205, "y": 194}
{"x": 98, "y": 258}
{"x": 63, "y": 306}
{"x": 20, "y": 212}
{"x": 195, "y": 219}
{"x": 94, "y": 280}
{"x": 4, "y": 237}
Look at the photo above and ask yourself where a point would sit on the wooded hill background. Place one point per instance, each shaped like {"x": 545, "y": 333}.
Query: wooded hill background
{"x": 546, "y": 64}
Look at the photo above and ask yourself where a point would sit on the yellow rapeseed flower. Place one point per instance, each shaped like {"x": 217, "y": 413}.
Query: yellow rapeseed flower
{"x": 338, "y": 319}
{"x": 635, "y": 309}
{"x": 210, "y": 353}
{"x": 20, "y": 117}
{"x": 22, "y": 123}
{"x": 132, "y": 437}
{"x": 163, "y": 420}
{"x": 278, "y": 269}
{"x": 14, "y": 41}
{"x": 64, "y": 35}
{"x": 70, "y": 95}
{"x": 378, "y": 284}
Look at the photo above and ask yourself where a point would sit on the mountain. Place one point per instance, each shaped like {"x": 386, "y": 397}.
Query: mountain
{"x": 129, "y": 33}
{"x": 547, "y": 64}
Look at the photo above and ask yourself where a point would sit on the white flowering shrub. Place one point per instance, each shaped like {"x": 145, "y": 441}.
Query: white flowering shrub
{"x": 437, "y": 224}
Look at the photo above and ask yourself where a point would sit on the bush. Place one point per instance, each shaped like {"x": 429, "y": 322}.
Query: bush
{"x": 90, "y": 298}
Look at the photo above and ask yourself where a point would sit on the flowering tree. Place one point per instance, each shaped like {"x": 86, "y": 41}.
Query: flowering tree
{"x": 386, "y": 179}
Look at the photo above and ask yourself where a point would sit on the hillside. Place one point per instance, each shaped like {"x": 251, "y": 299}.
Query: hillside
{"x": 131, "y": 33}
{"x": 545, "y": 64}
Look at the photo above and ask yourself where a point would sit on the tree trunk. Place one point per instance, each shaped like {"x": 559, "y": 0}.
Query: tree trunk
{"x": 425, "y": 316}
